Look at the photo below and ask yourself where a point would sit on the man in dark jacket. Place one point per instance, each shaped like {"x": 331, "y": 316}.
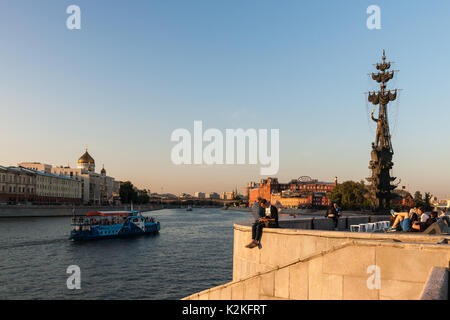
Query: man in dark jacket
{"x": 334, "y": 213}
{"x": 422, "y": 226}
{"x": 268, "y": 219}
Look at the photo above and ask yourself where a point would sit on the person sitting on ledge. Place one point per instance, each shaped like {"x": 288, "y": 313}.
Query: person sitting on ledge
{"x": 443, "y": 216}
{"x": 422, "y": 226}
{"x": 413, "y": 215}
{"x": 408, "y": 221}
{"x": 424, "y": 216}
{"x": 268, "y": 218}
{"x": 334, "y": 213}
{"x": 402, "y": 219}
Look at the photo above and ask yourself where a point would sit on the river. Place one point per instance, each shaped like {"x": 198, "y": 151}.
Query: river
{"x": 192, "y": 252}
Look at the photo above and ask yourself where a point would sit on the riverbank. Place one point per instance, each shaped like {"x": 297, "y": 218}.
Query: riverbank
{"x": 19, "y": 211}
{"x": 61, "y": 211}
{"x": 292, "y": 213}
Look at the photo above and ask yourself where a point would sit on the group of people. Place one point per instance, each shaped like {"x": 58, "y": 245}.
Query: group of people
{"x": 416, "y": 220}
{"x": 266, "y": 217}
{"x": 105, "y": 221}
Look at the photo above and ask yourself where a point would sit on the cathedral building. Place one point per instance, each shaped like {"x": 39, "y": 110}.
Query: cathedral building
{"x": 96, "y": 188}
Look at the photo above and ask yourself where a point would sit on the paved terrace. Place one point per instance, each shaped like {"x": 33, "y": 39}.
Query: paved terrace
{"x": 307, "y": 259}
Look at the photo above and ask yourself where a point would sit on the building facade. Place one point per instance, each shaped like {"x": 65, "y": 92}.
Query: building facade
{"x": 53, "y": 188}
{"x": 212, "y": 195}
{"x": 200, "y": 195}
{"x": 96, "y": 188}
{"x": 228, "y": 195}
{"x": 22, "y": 185}
{"x": 37, "y": 166}
{"x": 16, "y": 185}
{"x": 402, "y": 199}
{"x": 296, "y": 193}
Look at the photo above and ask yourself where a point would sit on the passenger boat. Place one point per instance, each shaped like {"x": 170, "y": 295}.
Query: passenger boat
{"x": 112, "y": 224}
{"x": 189, "y": 208}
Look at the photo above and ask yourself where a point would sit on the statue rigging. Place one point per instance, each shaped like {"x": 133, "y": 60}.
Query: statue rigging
{"x": 382, "y": 151}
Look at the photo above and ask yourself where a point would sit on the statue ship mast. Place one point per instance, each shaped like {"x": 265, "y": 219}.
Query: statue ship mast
{"x": 382, "y": 151}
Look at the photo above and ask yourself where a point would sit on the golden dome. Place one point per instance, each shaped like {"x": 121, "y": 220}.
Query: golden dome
{"x": 86, "y": 158}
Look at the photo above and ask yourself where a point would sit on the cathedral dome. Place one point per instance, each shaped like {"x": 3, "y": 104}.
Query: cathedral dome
{"x": 86, "y": 159}
{"x": 86, "y": 162}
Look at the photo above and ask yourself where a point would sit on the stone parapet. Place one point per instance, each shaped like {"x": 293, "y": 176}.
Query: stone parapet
{"x": 318, "y": 264}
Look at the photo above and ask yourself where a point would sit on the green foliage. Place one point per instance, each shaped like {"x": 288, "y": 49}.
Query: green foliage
{"x": 418, "y": 199}
{"x": 427, "y": 202}
{"x": 129, "y": 194}
{"x": 423, "y": 202}
{"x": 143, "y": 198}
{"x": 351, "y": 195}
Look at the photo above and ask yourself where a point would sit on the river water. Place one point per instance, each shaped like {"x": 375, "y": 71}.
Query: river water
{"x": 192, "y": 252}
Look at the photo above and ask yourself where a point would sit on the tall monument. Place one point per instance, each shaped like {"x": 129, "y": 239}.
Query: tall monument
{"x": 382, "y": 151}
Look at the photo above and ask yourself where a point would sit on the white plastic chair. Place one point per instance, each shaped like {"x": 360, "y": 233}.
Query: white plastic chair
{"x": 363, "y": 227}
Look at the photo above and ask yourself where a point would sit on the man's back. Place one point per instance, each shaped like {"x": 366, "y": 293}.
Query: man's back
{"x": 274, "y": 215}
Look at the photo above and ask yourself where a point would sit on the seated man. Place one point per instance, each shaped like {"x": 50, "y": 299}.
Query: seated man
{"x": 424, "y": 216}
{"x": 334, "y": 213}
{"x": 422, "y": 226}
{"x": 413, "y": 215}
{"x": 444, "y": 217}
{"x": 268, "y": 218}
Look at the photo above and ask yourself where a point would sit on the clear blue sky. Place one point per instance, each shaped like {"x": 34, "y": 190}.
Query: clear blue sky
{"x": 137, "y": 70}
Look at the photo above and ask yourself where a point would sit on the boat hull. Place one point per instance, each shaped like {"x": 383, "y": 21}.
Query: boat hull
{"x": 113, "y": 231}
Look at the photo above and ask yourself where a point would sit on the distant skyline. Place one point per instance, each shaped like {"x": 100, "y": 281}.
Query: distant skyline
{"x": 136, "y": 71}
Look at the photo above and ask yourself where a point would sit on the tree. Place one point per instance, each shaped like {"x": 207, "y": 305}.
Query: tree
{"x": 418, "y": 200}
{"x": 127, "y": 192}
{"x": 143, "y": 197}
{"x": 350, "y": 195}
{"x": 427, "y": 202}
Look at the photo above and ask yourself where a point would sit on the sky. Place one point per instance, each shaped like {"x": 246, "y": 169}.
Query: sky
{"x": 138, "y": 70}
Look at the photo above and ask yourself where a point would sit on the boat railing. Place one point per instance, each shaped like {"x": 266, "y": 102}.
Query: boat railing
{"x": 80, "y": 221}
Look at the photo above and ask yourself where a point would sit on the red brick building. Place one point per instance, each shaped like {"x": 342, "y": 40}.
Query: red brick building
{"x": 300, "y": 192}
{"x": 403, "y": 200}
